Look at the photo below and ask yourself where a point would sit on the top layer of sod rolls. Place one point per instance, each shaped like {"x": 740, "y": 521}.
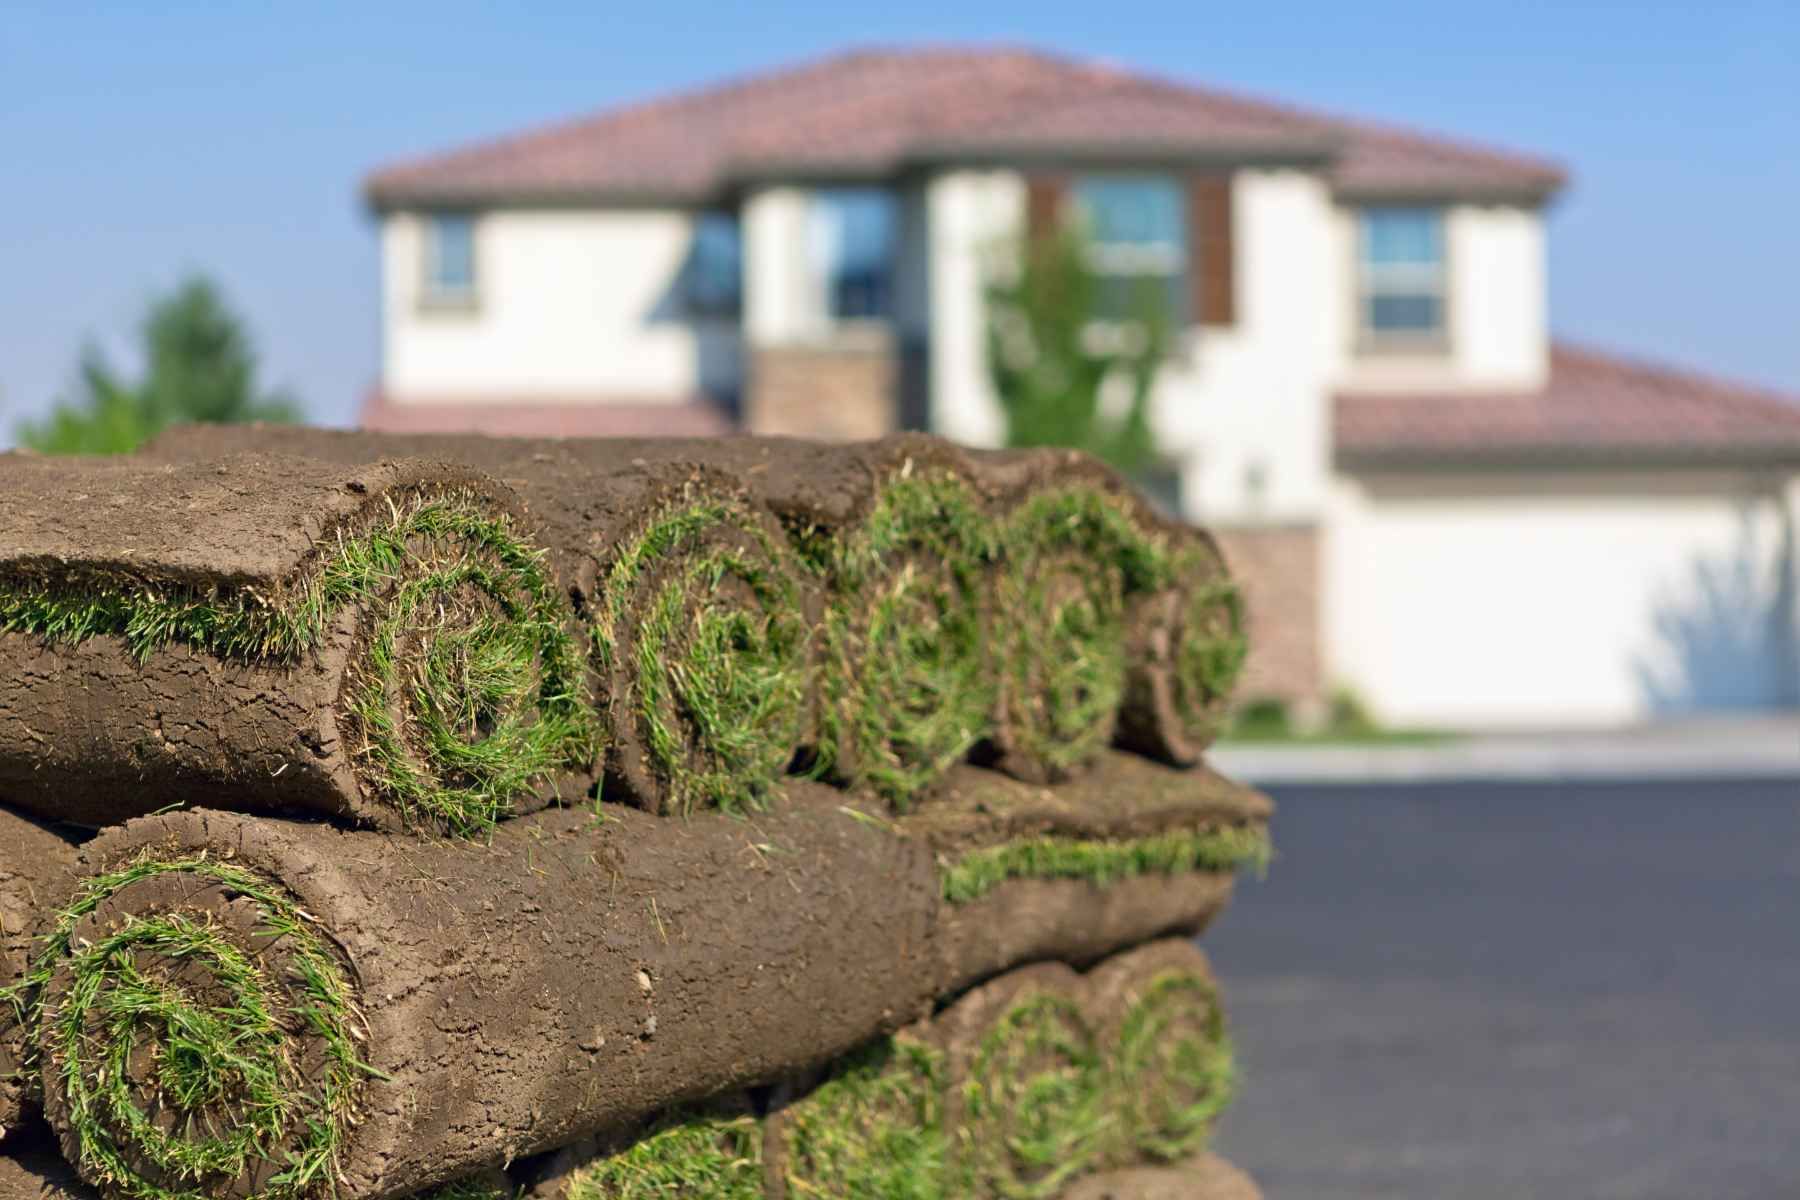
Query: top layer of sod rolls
{"x": 873, "y": 613}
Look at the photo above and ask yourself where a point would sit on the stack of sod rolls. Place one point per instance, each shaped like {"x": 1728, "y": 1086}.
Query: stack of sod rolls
{"x": 394, "y": 816}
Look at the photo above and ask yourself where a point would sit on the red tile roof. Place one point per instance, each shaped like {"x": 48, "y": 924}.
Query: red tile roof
{"x": 1595, "y": 407}
{"x": 575, "y": 416}
{"x": 868, "y": 114}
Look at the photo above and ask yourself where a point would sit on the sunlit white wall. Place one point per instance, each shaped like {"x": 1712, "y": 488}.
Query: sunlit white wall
{"x": 1498, "y": 331}
{"x": 1246, "y": 408}
{"x": 1573, "y": 598}
{"x": 570, "y": 305}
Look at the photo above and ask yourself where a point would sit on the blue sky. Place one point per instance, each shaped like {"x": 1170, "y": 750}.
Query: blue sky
{"x": 139, "y": 141}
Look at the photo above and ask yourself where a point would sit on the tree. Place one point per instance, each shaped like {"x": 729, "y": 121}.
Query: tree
{"x": 199, "y": 366}
{"x": 1052, "y": 356}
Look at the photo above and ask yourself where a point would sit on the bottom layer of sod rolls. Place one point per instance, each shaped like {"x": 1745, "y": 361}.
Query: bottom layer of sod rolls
{"x": 1020, "y": 1088}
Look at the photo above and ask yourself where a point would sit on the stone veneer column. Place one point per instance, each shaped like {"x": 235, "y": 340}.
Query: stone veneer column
{"x": 1278, "y": 568}
{"x": 844, "y": 388}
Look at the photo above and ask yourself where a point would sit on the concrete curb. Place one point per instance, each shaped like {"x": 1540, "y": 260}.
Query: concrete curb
{"x": 1760, "y": 749}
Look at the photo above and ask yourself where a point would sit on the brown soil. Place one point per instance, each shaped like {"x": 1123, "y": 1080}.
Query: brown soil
{"x": 37, "y": 868}
{"x": 1207, "y": 1177}
{"x": 1123, "y": 795}
{"x": 40, "y": 1175}
{"x": 91, "y": 734}
{"x": 804, "y": 482}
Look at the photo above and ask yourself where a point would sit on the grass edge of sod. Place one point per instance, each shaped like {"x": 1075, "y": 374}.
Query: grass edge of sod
{"x": 720, "y": 1158}
{"x": 972, "y": 874}
{"x": 346, "y": 569}
{"x": 751, "y": 726}
{"x": 842, "y": 1140}
{"x": 329, "y": 1012}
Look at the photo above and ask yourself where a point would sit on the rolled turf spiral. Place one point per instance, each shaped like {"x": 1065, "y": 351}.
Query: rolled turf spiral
{"x": 466, "y": 691}
{"x": 1074, "y": 558}
{"x": 907, "y": 693}
{"x": 1033, "y": 1101}
{"x": 198, "y": 1035}
{"x": 874, "y": 1129}
{"x": 1188, "y": 647}
{"x": 384, "y": 644}
{"x": 1173, "y": 1066}
{"x": 702, "y": 640}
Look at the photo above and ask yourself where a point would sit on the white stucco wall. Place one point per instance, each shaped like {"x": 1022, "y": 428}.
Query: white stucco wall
{"x": 1246, "y": 407}
{"x": 970, "y": 214}
{"x": 783, "y": 300}
{"x": 1497, "y": 307}
{"x": 1540, "y": 600}
{"x": 572, "y": 305}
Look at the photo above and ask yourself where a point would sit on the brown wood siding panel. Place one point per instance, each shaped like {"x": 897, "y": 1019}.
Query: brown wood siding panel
{"x": 1211, "y": 250}
{"x": 1044, "y": 195}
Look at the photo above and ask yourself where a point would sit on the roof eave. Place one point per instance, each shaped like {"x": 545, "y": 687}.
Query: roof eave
{"x": 383, "y": 199}
{"x": 1260, "y": 152}
{"x": 1525, "y": 193}
{"x": 1610, "y": 456}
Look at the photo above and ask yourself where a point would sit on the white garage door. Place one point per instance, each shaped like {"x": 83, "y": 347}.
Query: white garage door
{"x": 1592, "y": 597}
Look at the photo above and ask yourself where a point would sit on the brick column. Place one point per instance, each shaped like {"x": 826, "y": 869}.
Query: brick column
{"x": 842, "y": 389}
{"x": 1278, "y": 569}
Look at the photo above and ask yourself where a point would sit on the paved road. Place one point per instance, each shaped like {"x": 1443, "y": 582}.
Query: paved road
{"x": 1576, "y": 992}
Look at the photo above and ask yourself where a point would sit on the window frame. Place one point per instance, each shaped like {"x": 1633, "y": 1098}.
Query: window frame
{"x": 693, "y": 306}
{"x": 826, "y": 273}
{"x": 1370, "y": 340}
{"x": 1172, "y": 263}
{"x": 433, "y": 294}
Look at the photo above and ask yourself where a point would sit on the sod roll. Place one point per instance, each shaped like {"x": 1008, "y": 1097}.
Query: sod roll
{"x": 37, "y": 873}
{"x": 385, "y": 644}
{"x": 1124, "y": 625}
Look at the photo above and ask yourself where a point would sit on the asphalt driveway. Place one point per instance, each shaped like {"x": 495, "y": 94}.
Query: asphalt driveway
{"x": 1578, "y": 992}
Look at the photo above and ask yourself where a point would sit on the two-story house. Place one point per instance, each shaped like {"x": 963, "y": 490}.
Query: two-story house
{"x": 1432, "y": 504}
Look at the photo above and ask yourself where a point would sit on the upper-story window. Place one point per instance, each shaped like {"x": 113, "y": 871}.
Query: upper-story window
{"x": 1402, "y": 283}
{"x": 853, "y": 234}
{"x": 715, "y": 267}
{"x": 1137, "y": 239}
{"x": 450, "y": 258}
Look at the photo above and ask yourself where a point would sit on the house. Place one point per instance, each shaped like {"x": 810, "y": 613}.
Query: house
{"x": 1432, "y": 503}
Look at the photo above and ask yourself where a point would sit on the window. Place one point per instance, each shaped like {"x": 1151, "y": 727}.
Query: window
{"x": 714, "y": 279}
{"x": 853, "y": 233}
{"x": 450, "y": 259}
{"x": 1401, "y": 273}
{"x": 1137, "y": 235}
